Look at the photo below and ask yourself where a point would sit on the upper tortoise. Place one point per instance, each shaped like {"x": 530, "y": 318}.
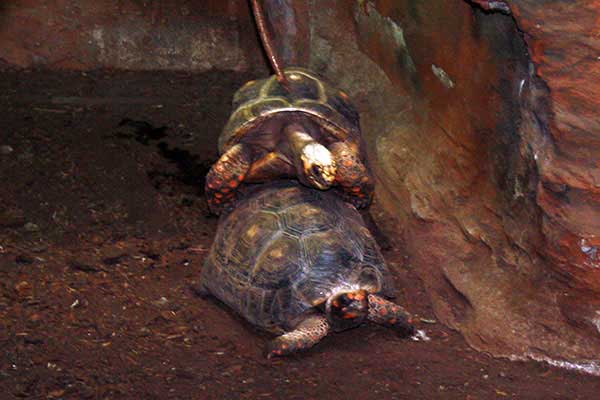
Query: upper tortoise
{"x": 306, "y": 129}
{"x": 300, "y": 262}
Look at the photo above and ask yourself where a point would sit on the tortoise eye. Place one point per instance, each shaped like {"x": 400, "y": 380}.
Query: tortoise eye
{"x": 316, "y": 170}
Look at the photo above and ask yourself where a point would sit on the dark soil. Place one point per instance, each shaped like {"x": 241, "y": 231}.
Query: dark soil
{"x": 103, "y": 230}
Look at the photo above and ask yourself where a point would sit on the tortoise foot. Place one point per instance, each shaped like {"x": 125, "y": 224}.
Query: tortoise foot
{"x": 353, "y": 178}
{"x": 308, "y": 333}
{"x": 224, "y": 178}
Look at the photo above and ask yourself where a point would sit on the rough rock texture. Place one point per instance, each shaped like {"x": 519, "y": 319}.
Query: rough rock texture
{"x": 564, "y": 42}
{"x": 133, "y": 34}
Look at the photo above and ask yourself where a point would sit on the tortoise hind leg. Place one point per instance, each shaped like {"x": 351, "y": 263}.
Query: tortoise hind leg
{"x": 352, "y": 176}
{"x": 225, "y": 176}
{"x": 386, "y": 313}
{"x": 308, "y": 333}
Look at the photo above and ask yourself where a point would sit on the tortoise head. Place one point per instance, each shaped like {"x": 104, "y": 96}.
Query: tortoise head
{"x": 318, "y": 166}
{"x": 347, "y": 309}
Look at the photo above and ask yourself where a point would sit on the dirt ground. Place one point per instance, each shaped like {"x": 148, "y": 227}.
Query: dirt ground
{"x": 103, "y": 230}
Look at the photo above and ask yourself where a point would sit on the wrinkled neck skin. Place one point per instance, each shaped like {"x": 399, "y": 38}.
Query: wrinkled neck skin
{"x": 313, "y": 162}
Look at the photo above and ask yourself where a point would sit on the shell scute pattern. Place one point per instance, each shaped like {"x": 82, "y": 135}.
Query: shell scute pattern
{"x": 278, "y": 264}
{"x": 308, "y": 95}
{"x": 273, "y": 266}
{"x": 306, "y": 218}
{"x": 337, "y": 102}
{"x": 256, "y": 234}
{"x": 276, "y": 202}
{"x": 329, "y": 251}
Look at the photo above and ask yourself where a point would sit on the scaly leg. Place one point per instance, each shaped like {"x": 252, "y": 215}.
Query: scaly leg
{"x": 386, "y": 313}
{"x": 352, "y": 176}
{"x": 308, "y": 333}
{"x": 225, "y": 176}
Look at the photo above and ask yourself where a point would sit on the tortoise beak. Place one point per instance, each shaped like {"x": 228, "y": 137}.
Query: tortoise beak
{"x": 321, "y": 177}
{"x": 319, "y": 167}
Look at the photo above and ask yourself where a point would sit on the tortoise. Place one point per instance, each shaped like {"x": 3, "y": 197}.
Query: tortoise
{"x": 304, "y": 128}
{"x": 300, "y": 263}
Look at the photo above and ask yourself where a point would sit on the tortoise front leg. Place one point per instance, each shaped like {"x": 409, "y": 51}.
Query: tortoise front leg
{"x": 352, "y": 176}
{"x": 225, "y": 176}
{"x": 308, "y": 333}
{"x": 386, "y": 313}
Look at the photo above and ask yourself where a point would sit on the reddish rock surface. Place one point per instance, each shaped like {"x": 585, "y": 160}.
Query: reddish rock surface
{"x": 564, "y": 43}
{"x": 134, "y": 35}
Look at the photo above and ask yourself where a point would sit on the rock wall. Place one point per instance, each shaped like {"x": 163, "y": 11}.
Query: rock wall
{"x": 128, "y": 34}
{"x": 481, "y": 125}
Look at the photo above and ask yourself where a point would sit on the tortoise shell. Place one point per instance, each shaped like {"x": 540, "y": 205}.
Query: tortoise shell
{"x": 260, "y": 106}
{"x": 285, "y": 249}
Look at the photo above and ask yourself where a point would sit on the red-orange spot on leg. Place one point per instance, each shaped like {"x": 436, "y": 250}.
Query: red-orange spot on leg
{"x": 233, "y": 183}
{"x": 348, "y": 163}
{"x": 392, "y": 321}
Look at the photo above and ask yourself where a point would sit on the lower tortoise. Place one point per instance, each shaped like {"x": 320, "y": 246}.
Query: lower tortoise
{"x": 300, "y": 262}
